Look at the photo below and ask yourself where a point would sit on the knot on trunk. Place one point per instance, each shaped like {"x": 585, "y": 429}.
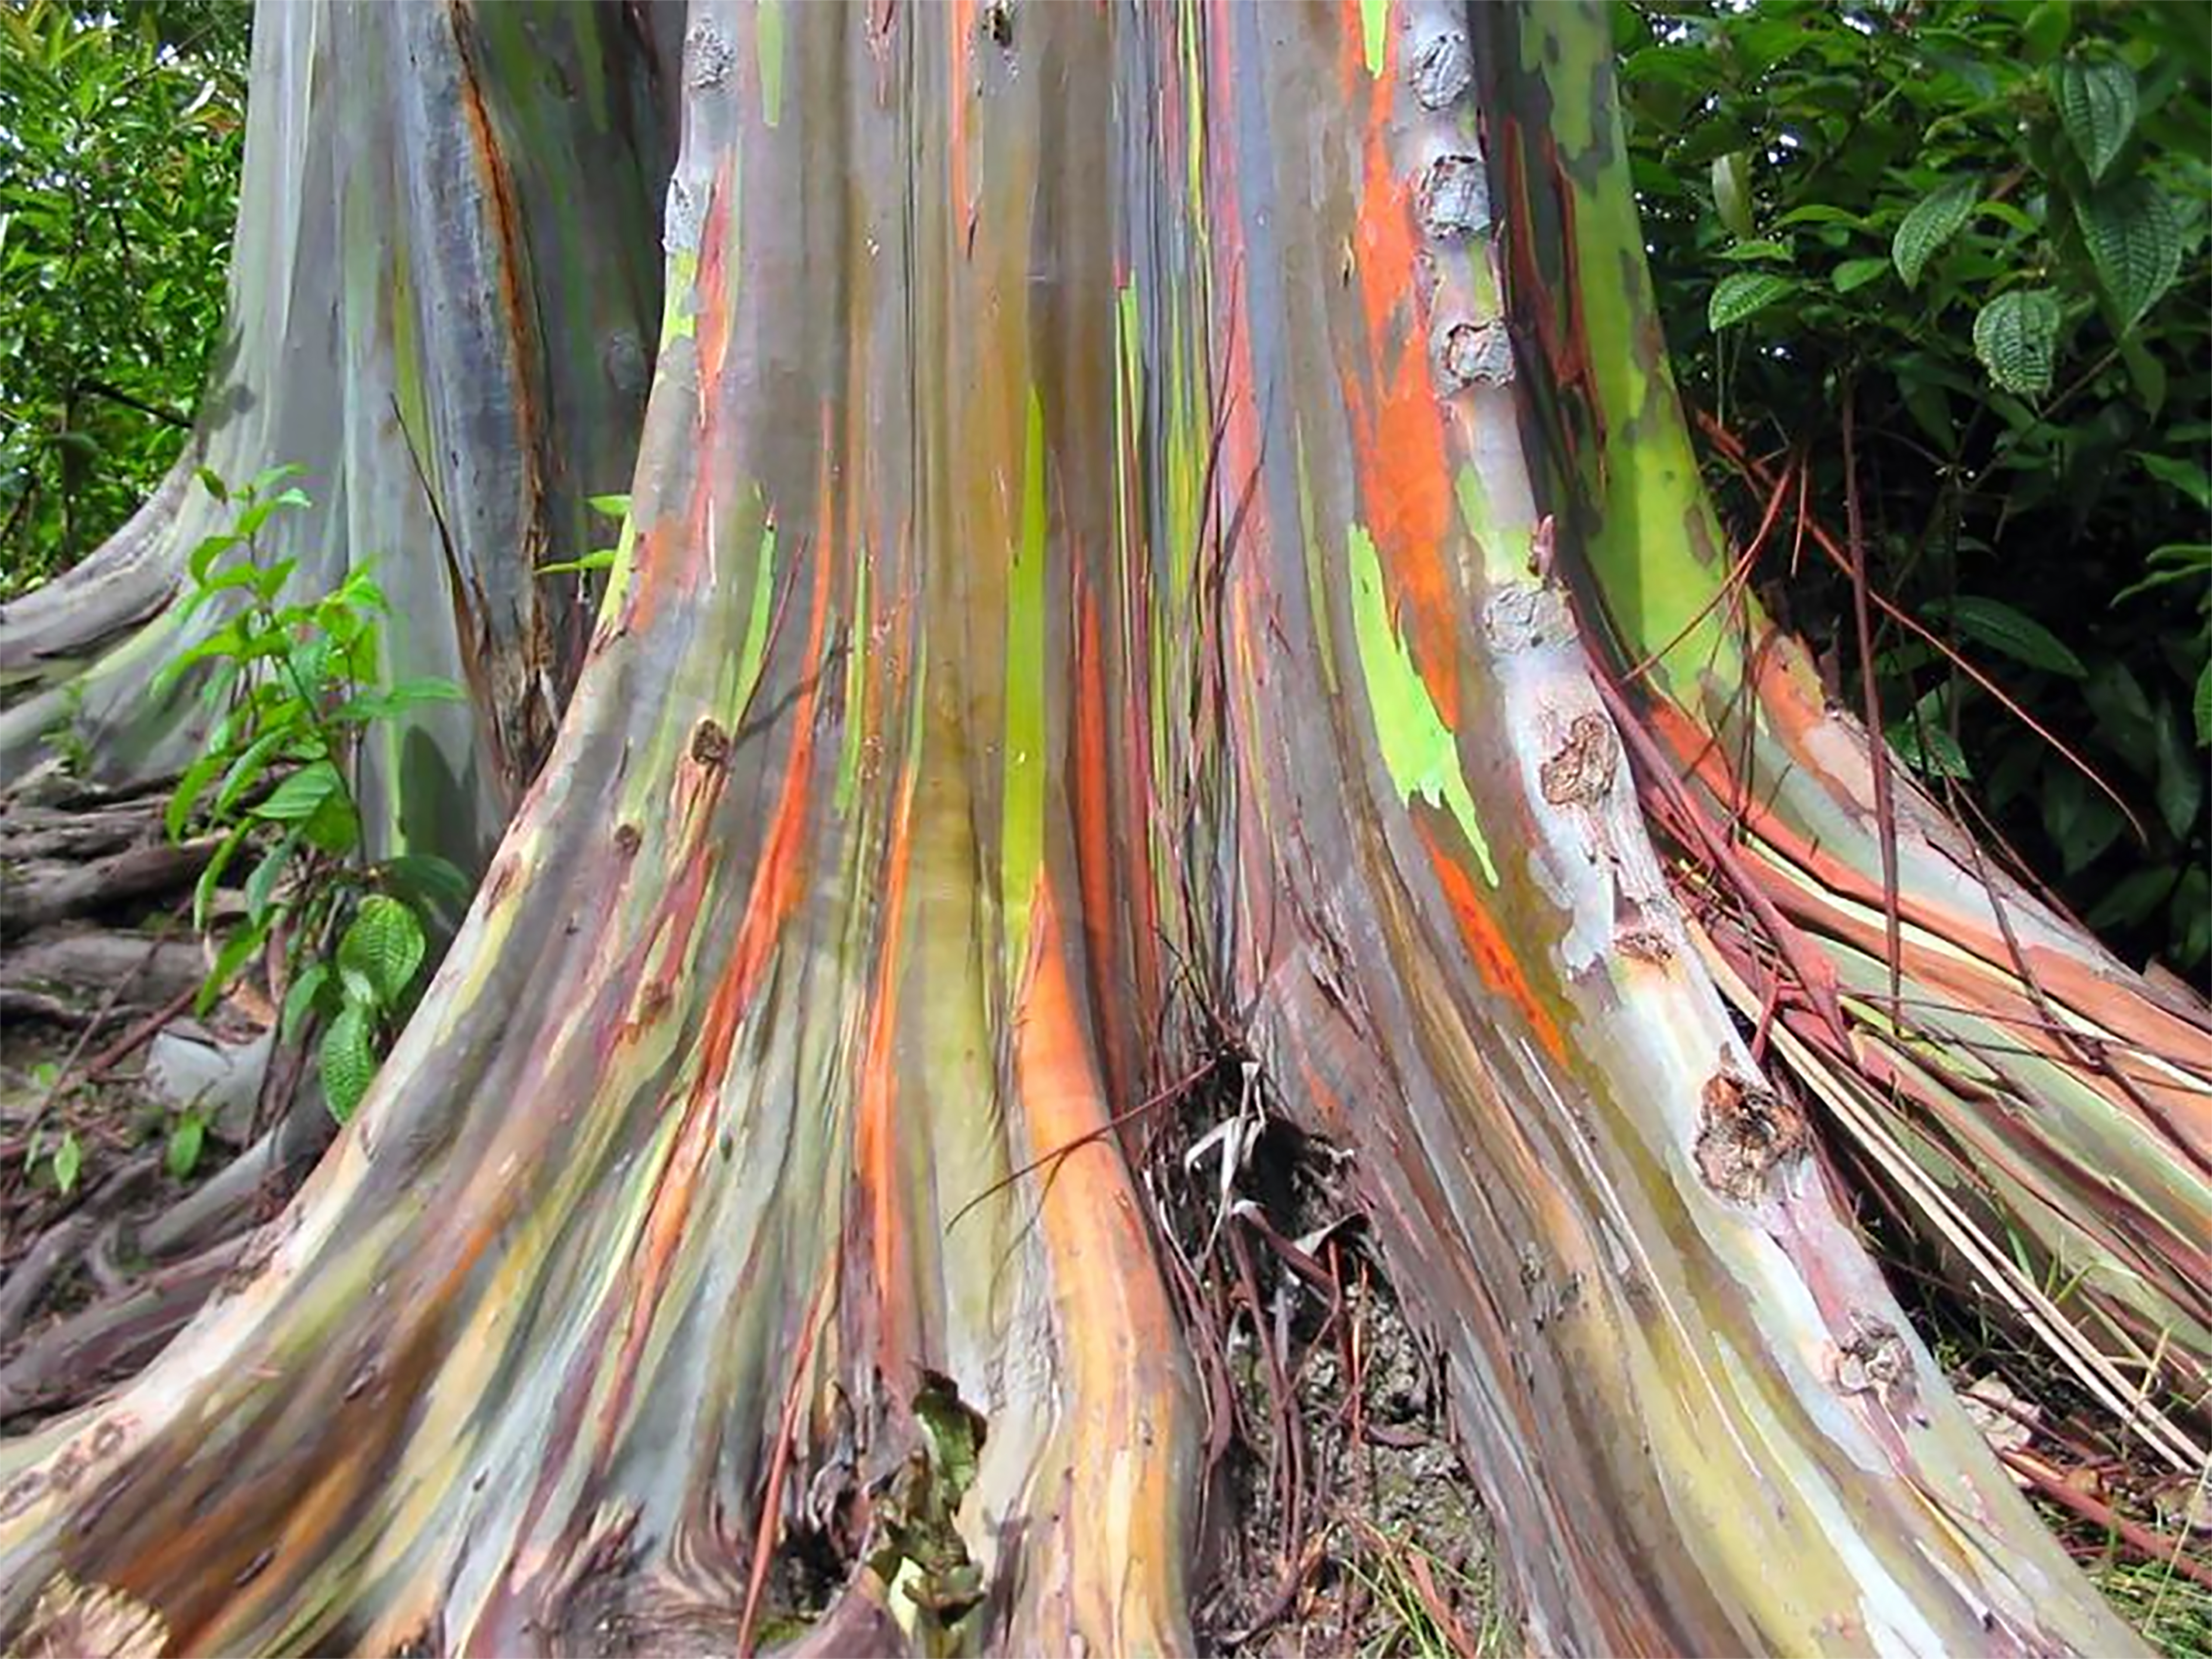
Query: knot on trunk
{"x": 1470, "y": 352}
{"x": 1581, "y": 772}
{"x": 1453, "y": 197}
{"x": 1441, "y": 69}
{"x": 1748, "y": 1131}
{"x": 1874, "y": 1361}
{"x": 710, "y": 745}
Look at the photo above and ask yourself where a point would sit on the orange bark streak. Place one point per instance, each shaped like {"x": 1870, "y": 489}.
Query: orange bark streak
{"x": 1493, "y": 952}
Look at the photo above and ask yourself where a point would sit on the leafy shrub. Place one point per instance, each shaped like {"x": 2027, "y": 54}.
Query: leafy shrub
{"x": 293, "y": 688}
{"x": 1983, "y": 224}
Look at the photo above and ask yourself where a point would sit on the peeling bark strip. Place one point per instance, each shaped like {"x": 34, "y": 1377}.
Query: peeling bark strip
{"x": 1067, "y": 508}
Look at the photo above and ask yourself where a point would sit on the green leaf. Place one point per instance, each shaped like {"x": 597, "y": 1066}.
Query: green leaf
{"x": 426, "y": 876}
{"x": 1820, "y": 213}
{"x": 1744, "y": 251}
{"x": 1855, "y": 274}
{"x": 247, "y": 768}
{"x": 1934, "y": 221}
{"x": 2175, "y": 561}
{"x": 68, "y": 1162}
{"x": 237, "y": 951}
{"x": 599, "y": 559}
{"x": 298, "y": 797}
{"x": 2134, "y": 237}
{"x": 349, "y": 1056}
{"x": 261, "y": 885}
{"x": 384, "y": 945}
{"x": 2132, "y": 898}
{"x": 188, "y": 791}
{"x": 1999, "y": 627}
{"x": 211, "y": 481}
{"x": 186, "y": 1136}
{"x": 2180, "y": 773}
{"x": 300, "y": 1000}
{"x": 2016, "y": 338}
{"x": 2182, "y": 473}
{"x": 1731, "y": 175}
{"x": 612, "y": 506}
{"x": 2200, "y": 706}
{"x": 956, "y": 1431}
{"x": 397, "y": 698}
{"x": 2044, "y": 30}
{"x": 204, "y": 890}
{"x": 2097, "y": 106}
{"x": 332, "y": 826}
{"x": 1742, "y": 294}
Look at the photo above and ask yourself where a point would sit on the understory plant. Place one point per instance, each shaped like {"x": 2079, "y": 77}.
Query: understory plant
{"x": 292, "y": 689}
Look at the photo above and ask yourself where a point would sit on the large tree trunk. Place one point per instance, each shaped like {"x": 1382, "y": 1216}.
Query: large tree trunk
{"x": 1088, "y": 621}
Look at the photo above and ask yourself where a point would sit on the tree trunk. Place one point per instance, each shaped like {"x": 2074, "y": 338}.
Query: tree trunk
{"x": 2044, "y": 1113}
{"x": 441, "y": 307}
{"x": 1087, "y": 623}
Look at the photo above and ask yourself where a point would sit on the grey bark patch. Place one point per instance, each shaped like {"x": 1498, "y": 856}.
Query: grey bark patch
{"x": 1468, "y": 353}
{"x": 1453, "y": 199}
{"x": 1441, "y": 69}
{"x": 1747, "y": 1134}
{"x": 623, "y": 358}
{"x": 1525, "y": 616}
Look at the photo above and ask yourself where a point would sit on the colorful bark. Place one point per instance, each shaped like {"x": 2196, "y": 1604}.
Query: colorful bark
{"x": 1079, "y": 585}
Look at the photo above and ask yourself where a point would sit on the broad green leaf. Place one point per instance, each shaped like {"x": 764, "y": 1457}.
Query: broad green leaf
{"x": 2016, "y": 338}
{"x": 2134, "y": 237}
{"x": 208, "y": 552}
{"x": 2202, "y": 707}
{"x": 300, "y": 1000}
{"x": 612, "y": 506}
{"x": 1731, "y": 175}
{"x": 2132, "y": 898}
{"x": 332, "y": 826}
{"x": 1820, "y": 213}
{"x": 68, "y": 1162}
{"x": 298, "y": 797}
{"x": 2181, "y": 472}
{"x": 2180, "y": 772}
{"x": 1855, "y": 274}
{"x": 186, "y": 1138}
{"x": 2097, "y": 106}
{"x": 2001, "y": 628}
{"x": 428, "y": 876}
{"x": 211, "y": 481}
{"x": 384, "y": 945}
{"x": 265, "y": 480}
{"x": 1934, "y": 221}
{"x": 2044, "y": 30}
{"x": 348, "y": 1057}
{"x": 1742, "y": 294}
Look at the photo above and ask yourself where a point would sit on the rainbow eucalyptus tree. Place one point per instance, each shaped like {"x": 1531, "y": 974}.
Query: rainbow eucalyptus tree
{"x": 1137, "y": 523}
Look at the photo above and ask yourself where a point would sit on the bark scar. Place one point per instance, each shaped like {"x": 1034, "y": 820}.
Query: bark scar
{"x": 1748, "y": 1134}
{"x": 1581, "y": 772}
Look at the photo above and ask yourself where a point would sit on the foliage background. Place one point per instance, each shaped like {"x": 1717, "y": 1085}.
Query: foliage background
{"x": 1983, "y": 226}
{"x": 122, "y": 128}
